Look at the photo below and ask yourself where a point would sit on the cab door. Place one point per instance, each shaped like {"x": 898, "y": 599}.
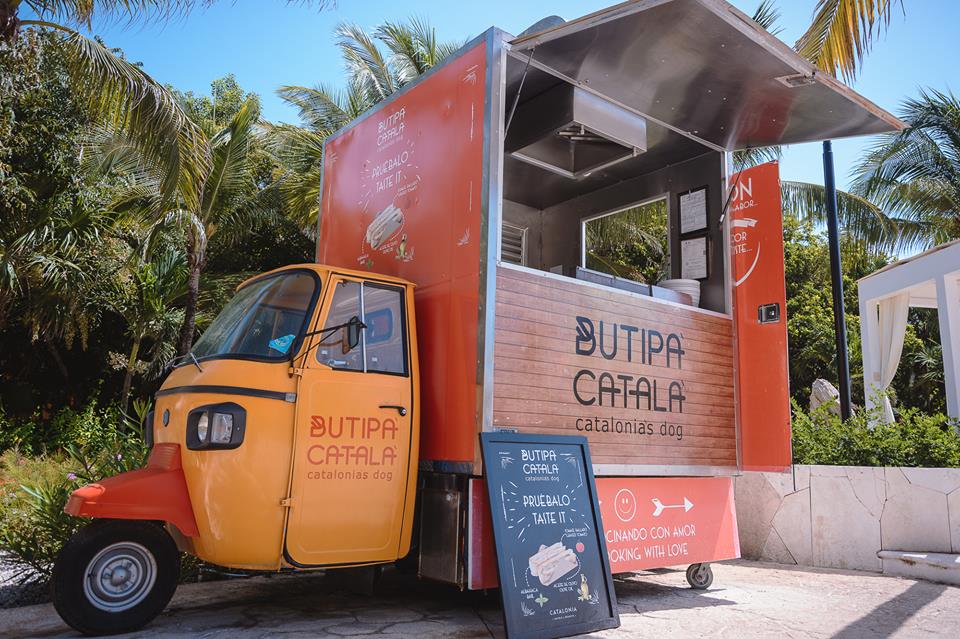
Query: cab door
{"x": 352, "y": 489}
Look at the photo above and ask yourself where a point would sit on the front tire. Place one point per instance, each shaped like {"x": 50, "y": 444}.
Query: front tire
{"x": 115, "y": 576}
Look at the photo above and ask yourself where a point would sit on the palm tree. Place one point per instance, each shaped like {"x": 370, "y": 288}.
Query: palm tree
{"x": 839, "y": 37}
{"x": 48, "y": 263}
{"x": 119, "y": 94}
{"x": 227, "y": 204}
{"x": 842, "y": 33}
{"x": 154, "y": 285}
{"x": 115, "y": 92}
{"x": 377, "y": 65}
{"x": 914, "y": 174}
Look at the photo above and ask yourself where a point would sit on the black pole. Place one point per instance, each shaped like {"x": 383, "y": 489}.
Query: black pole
{"x": 836, "y": 277}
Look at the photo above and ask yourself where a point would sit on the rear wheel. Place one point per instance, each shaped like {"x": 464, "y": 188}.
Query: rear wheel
{"x": 115, "y": 576}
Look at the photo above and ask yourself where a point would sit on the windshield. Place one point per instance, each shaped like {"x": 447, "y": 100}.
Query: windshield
{"x": 263, "y": 320}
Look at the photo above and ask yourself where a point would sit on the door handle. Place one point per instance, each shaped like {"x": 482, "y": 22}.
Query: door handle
{"x": 400, "y": 409}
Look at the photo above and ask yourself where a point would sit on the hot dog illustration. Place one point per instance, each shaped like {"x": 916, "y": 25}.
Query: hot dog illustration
{"x": 385, "y": 225}
{"x": 552, "y": 562}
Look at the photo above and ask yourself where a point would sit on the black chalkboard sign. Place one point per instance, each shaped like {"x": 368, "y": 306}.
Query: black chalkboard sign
{"x": 552, "y": 560}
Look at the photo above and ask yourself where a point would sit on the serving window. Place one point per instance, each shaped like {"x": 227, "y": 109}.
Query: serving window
{"x": 591, "y": 191}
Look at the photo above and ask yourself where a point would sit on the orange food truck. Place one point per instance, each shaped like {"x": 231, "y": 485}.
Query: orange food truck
{"x": 330, "y": 416}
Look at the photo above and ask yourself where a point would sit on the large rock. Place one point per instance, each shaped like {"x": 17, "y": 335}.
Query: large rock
{"x": 823, "y": 392}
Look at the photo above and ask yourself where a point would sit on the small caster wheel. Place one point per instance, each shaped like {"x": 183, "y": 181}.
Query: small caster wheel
{"x": 699, "y": 576}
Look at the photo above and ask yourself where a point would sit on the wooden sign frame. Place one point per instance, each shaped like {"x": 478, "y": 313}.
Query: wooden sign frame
{"x": 512, "y": 596}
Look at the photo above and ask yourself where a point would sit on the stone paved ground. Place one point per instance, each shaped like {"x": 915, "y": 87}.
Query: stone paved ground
{"x": 747, "y": 600}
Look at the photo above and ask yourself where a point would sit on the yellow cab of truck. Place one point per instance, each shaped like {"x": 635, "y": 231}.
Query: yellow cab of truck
{"x": 306, "y": 381}
{"x": 314, "y": 420}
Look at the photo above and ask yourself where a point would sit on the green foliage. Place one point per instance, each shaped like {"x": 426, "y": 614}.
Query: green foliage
{"x": 49, "y": 231}
{"x": 914, "y": 174}
{"x": 35, "y": 489}
{"x": 916, "y": 439}
{"x": 632, "y": 243}
{"x": 378, "y": 64}
{"x": 215, "y": 111}
{"x": 919, "y": 380}
{"x": 66, "y": 427}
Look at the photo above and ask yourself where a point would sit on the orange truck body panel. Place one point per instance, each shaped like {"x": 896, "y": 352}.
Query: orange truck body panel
{"x": 156, "y": 492}
{"x": 763, "y": 381}
{"x": 401, "y": 196}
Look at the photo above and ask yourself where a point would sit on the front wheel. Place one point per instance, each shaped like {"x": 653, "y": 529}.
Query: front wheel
{"x": 115, "y": 576}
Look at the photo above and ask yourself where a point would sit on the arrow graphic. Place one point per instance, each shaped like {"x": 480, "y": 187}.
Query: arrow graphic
{"x": 659, "y": 507}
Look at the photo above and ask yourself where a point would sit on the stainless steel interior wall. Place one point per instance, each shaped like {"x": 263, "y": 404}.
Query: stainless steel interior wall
{"x": 561, "y": 237}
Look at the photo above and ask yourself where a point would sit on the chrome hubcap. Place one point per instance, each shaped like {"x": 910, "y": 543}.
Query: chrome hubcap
{"x": 120, "y": 576}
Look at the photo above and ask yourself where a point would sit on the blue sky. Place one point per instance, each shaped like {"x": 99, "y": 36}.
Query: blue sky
{"x": 266, "y": 43}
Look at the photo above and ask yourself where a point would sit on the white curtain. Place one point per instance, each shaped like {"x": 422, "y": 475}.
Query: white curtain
{"x": 893, "y": 326}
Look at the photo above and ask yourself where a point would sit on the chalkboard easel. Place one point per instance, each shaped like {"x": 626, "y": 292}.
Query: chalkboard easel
{"x": 552, "y": 561}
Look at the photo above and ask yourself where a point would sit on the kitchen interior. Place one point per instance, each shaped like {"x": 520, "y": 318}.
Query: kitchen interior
{"x": 572, "y": 157}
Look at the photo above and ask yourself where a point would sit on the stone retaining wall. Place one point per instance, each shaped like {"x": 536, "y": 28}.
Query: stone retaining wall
{"x": 841, "y": 516}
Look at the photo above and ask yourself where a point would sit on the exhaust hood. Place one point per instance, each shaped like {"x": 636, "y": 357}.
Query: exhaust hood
{"x": 571, "y": 132}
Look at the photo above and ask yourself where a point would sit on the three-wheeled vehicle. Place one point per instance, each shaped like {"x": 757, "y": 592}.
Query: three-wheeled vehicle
{"x": 329, "y": 417}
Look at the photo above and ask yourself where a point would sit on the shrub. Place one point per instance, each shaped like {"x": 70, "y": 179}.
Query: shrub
{"x": 67, "y": 427}
{"x": 34, "y": 490}
{"x": 916, "y": 439}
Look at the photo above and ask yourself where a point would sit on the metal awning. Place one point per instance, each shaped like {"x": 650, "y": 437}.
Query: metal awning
{"x": 705, "y": 70}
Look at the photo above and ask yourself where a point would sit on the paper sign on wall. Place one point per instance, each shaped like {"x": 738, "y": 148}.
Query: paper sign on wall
{"x": 693, "y": 259}
{"x": 693, "y": 211}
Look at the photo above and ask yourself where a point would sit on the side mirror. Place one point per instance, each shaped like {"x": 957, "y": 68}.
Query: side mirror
{"x": 351, "y": 334}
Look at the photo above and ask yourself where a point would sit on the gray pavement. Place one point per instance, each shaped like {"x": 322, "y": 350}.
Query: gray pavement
{"x": 748, "y": 599}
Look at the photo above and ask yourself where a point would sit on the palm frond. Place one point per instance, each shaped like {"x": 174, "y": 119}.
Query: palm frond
{"x": 295, "y": 148}
{"x": 230, "y": 171}
{"x": 325, "y": 109}
{"x": 767, "y": 15}
{"x": 82, "y": 12}
{"x": 366, "y": 62}
{"x": 914, "y": 174}
{"x": 745, "y": 158}
{"x": 250, "y": 215}
{"x": 413, "y": 44}
{"x": 860, "y": 218}
{"x": 842, "y": 33}
{"x": 124, "y": 98}
{"x": 301, "y": 195}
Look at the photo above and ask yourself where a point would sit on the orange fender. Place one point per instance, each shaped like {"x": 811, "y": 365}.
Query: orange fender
{"x": 156, "y": 492}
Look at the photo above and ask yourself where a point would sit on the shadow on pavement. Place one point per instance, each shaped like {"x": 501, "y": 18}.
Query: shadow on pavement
{"x": 888, "y": 617}
{"x": 646, "y": 596}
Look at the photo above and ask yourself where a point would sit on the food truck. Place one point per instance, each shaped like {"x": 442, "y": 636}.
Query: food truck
{"x": 330, "y": 416}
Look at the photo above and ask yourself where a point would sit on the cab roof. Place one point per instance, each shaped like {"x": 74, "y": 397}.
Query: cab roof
{"x": 323, "y": 270}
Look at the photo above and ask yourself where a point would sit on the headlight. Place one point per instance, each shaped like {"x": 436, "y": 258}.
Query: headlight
{"x": 203, "y": 425}
{"x": 216, "y": 426}
{"x": 222, "y": 428}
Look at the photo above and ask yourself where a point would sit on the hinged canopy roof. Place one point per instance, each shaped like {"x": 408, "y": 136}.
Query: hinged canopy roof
{"x": 703, "y": 68}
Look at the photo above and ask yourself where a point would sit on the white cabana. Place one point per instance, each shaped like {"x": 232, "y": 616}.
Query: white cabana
{"x": 928, "y": 280}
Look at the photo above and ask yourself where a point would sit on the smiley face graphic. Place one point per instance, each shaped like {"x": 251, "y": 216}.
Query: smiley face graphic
{"x": 625, "y": 505}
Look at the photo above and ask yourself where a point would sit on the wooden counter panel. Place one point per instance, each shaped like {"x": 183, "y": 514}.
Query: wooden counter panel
{"x": 647, "y": 383}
